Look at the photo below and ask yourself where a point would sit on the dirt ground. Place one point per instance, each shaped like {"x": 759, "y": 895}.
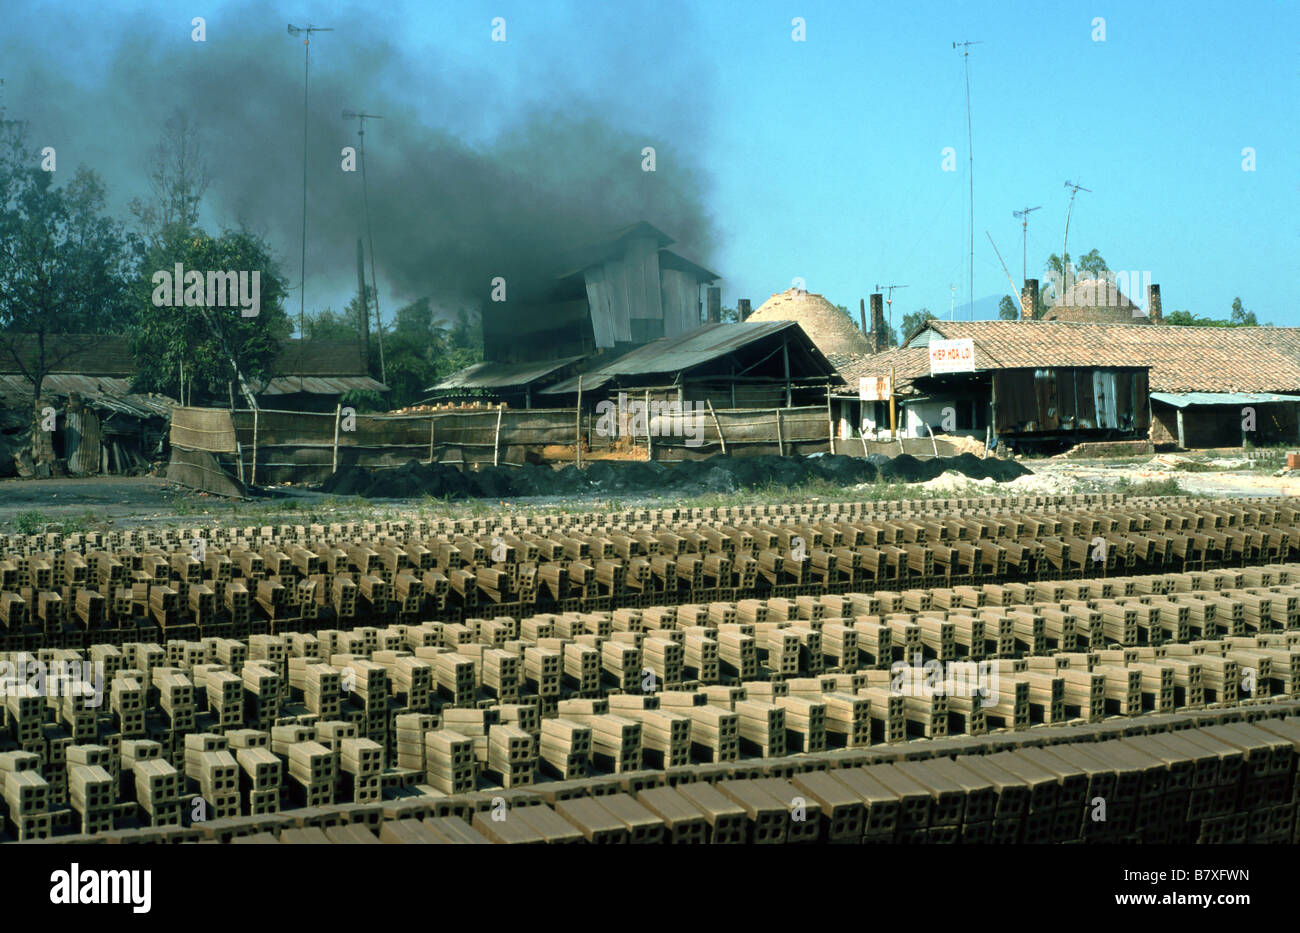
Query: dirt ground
{"x": 110, "y": 497}
{"x": 1227, "y": 479}
{"x": 143, "y": 500}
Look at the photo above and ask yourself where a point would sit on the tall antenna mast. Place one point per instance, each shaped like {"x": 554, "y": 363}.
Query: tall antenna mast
{"x": 306, "y": 64}
{"x": 361, "y": 119}
{"x": 970, "y": 151}
{"x": 1074, "y": 189}
{"x": 889, "y": 303}
{"x": 1024, "y": 238}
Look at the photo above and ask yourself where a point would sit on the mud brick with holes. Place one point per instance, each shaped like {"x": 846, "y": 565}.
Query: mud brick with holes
{"x": 500, "y": 673}
{"x": 449, "y": 761}
{"x": 881, "y": 804}
{"x": 597, "y": 824}
{"x": 762, "y": 728}
{"x": 262, "y": 692}
{"x": 915, "y": 799}
{"x": 684, "y": 821}
{"x": 1012, "y": 793}
{"x": 1266, "y": 754}
{"x": 505, "y": 829}
{"x": 664, "y": 657}
{"x": 888, "y": 712}
{"x": 564, "y": 749}
{"x": 1231, "y": 759}
{"x": 665, "y": 736}
{"x": 542, "y": 821}
{"x": 804, "y": 813}
{"x": 714, "y": 732}
{"x": 543, "y": 671}
{"x": 737, "y": 655}
{"x": 511, "y": 755}
{"x": 642, "y": 825}
{"x": 616, "y": 741}
{"x": 410, "y": 730}
{"x": 948, "y": 798}
{"x": 767, "y": 817}
{"x": 701, "y": 658}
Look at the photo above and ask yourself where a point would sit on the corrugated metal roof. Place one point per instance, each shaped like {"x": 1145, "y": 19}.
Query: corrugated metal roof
{"x": 105, "y": 392}
{"x": 675, "y": 354}
{"x": 1183, "y": 399}
{"x": 491, "y": 375}
{"x": 321, "y": 385}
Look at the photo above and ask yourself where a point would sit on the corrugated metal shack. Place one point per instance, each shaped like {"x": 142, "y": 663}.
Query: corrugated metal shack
{"x": 1053, "y": 399}
{"x": 312, "y": 375}
{"x": 1225, "y": 419}
{"x": 623, "y": 290}
{"x": 100, "y": 425}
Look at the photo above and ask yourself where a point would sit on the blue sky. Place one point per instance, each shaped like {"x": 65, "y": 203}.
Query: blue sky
{"x": 822, "y": 159}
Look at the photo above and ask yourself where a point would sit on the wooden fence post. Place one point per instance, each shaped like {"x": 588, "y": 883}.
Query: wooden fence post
{"x": 830, "y": 420}
{"x": 253, "y": 479}
{"x": 708, "y": 401}
{"x": 496, "y": 438}
{"x": 338, "y": 411}
{"x": 780, "y": 445}
{"x": 577, "y": 429}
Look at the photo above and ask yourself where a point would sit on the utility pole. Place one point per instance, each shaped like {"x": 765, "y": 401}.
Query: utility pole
{"x": 306, "y": 65}
{"x": 1024, "y": 238}
{"x": 361, "y": 119}
{"x": 1074, "y": 189}
{"x": 889, "y": 304}
{"x": 970, "y": 151}
{"x": 952, "y": 302}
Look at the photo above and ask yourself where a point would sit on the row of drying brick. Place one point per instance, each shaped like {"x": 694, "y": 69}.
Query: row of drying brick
{"x": 1194, "y": 782}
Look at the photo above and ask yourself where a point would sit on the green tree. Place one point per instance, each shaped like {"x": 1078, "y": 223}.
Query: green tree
{"x": 64, "y": 264}
{"x": 1053, "y": 264}
{"x": 1091, "y": 265}
{"x": 1240, "y": 316}
{"x": 214, "y": 346}
{"x": 913, "y": 321}
{"x": 178, "y": 177}
{"x": 333, "y": 325}
{"x": 1008, "y": 309}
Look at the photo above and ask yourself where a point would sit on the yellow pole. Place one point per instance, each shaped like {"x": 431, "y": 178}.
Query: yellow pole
{"x": 893, "y": 410}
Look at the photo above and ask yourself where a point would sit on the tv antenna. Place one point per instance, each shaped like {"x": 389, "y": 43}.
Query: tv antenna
{"x": 1024, "y": 238}
{"x": 306, "y": 65}
{"x": 970, "y": 152}
{"x": 361, "y": 119}
{"x": 889, "y": 301}
{"x": 1074, "y": 190}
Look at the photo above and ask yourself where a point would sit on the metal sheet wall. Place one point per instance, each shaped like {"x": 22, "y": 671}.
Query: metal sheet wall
{"x": 1034, "y": 401}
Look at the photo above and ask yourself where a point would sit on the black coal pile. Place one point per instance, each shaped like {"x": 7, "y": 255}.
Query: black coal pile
{"x": 689, "y": 477}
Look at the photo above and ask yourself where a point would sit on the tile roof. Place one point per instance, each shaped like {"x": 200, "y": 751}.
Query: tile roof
{"x": 84, "y": 354}
{"x": 1182, "y": 359}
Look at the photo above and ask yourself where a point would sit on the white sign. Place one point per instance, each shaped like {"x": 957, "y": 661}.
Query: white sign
{"x": 952, "y": 356}
{"x": 873, "y": 388}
